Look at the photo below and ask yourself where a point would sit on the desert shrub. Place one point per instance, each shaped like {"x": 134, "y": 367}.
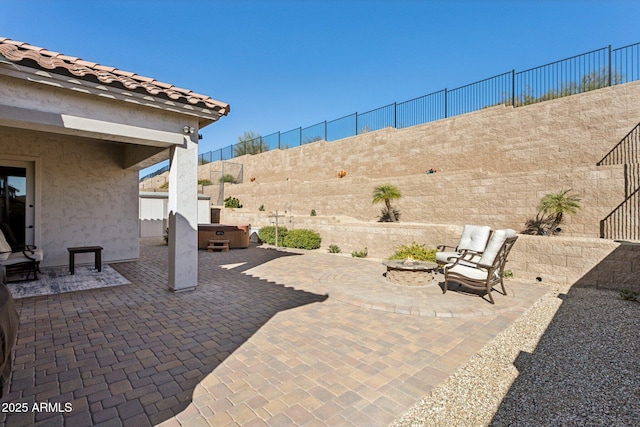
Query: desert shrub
{"x": 386, "y": 193}
{"x": 415, "y": 251}
{"x": 360, "y": 254}
{"x": 261, "y": 208}
{"x": 385, "y": 216}
{"x": 313, "y": 212}
{"x": 334, "y": 249}
{"x": 204, "y": 182}
{"x": 227, "y": 178}
{"x": 302, "y": 239}
{"x": 628, "y": 295}
{"x": 268, "y": 234}
{"x": 232, "y": 202}
{"x": 551, "y": 211}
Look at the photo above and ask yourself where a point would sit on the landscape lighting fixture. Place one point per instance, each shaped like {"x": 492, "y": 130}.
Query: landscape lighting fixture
{"x": 188, "y": 130}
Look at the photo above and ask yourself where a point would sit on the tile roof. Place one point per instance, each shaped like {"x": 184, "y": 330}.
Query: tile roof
{"x": 37, "y": 57}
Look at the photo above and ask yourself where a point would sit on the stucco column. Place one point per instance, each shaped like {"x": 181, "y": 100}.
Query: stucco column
{"x": 183, "y": 215}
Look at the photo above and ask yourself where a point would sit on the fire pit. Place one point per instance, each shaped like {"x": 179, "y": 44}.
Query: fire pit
{"x": 410, "y": 272}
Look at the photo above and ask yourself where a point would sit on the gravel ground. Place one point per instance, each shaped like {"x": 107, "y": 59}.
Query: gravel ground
{"x": 573, "y": 359}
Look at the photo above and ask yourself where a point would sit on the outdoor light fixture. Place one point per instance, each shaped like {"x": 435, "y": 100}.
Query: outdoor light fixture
{"x": 188, "y": 130}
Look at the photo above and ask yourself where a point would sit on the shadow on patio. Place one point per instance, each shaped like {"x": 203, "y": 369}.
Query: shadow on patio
{"x": 585, "y": 368}
{"x": 136, "y": 352}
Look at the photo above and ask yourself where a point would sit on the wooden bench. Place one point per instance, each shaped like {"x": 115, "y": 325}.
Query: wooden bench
{"x": 97, "y": 250}
{"x": 218, "y": 245}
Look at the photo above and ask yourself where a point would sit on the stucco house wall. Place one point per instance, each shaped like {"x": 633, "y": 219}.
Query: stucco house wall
{"x": 75, "y": 181}
{"x": 154, "y": 214}
{"x": 84, "y": 130}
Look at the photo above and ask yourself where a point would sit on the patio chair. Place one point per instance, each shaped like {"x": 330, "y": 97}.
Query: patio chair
{"x": 25, "y": 260}
{"x": 487, "y": 272}
{"x": 473, "y": 240}
{"x": 9, "y": 321}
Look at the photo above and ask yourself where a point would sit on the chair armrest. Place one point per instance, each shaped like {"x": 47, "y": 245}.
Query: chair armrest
{"x": 469, "y": 263}
{"x": 23, "y": 248}
{"x": 465, "y": 255}
{"x": 468, "y": 254}
{"x": 441, "y": 248}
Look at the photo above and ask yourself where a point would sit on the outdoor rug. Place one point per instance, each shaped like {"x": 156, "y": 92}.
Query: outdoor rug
{"x": 58, "y": 280}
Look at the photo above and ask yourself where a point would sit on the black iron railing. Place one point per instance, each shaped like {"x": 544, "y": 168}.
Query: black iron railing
{"x": 626, "y": 151}
{"x": 624, "y": 221}
{"x": 581, "y": 73}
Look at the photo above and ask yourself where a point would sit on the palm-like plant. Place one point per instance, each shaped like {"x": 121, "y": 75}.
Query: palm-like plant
{"x": 556, "y": 205}
{"x": 385, "y": 193}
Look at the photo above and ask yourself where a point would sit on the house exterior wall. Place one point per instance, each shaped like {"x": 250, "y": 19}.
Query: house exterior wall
{"x": 82, "y": 113}
{"x": 154, "y": 213}
{"x": 84, "y": 196}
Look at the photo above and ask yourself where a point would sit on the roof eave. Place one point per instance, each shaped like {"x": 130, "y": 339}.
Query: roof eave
{"x": 205, "y": 116}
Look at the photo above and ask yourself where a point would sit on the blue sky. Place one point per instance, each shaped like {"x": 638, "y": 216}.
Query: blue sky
{"x": 282, "y": 64}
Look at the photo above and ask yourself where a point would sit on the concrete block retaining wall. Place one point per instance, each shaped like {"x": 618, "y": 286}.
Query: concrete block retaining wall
{"x": 493, "y": 166}
{"x": 557, "y": 260}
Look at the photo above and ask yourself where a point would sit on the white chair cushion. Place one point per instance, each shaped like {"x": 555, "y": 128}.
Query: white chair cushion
{"x": 442, "y": 257}
{"x": 18, "y": 257}
{"x": 495, "y": 244}
{"x": 470, "y": 272}
{"x": 5, "y": 247}
{"x": 474, "y": 237}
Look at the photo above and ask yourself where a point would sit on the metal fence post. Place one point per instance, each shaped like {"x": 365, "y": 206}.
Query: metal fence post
{"x": 445, "y": 103}
{"x": 395, "y": 115}
{"x": 356, "y": 113}
{"x": 325, "y": 130}
{"x": 610, "y": 68}
{"x": 513, "y": 88}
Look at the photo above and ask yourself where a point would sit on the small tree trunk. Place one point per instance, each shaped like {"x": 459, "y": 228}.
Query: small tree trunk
{"x": 390, "y": 210}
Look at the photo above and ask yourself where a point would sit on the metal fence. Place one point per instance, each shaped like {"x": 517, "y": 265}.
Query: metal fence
{"x": 229, "y": 173}
{"x": 581, "y": 73}
{"x": 624, "y": 221}
{"x": 626, "y": 151}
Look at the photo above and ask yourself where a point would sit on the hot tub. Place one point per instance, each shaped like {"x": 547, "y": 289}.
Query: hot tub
{"x": 237, "y": 235}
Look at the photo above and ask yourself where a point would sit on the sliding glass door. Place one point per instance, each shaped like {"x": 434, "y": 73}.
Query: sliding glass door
{"x": 17, "y": 202}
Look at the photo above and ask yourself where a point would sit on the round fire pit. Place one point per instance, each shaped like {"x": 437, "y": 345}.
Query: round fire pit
{"x": 410, "y": 273}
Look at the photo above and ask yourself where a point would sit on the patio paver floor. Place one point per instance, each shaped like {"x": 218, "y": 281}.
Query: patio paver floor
{"x": 259, "y": 342}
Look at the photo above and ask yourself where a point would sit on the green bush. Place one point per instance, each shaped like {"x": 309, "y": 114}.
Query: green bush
{"x": 313, "y": 212}
{"x": 232, "y": 202}
{"x": 227, "y": 178}
{"x": 302, "y": 239}
{"x": 415, "y": 251}
{"x": 261, "y": 208}
{"x": 268, "y": 235}
{"x": 334, "y": 249}
{"x": 360, "y": 254}
{"x": 204, "y": 182}
{"x": 628, "y": 295}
